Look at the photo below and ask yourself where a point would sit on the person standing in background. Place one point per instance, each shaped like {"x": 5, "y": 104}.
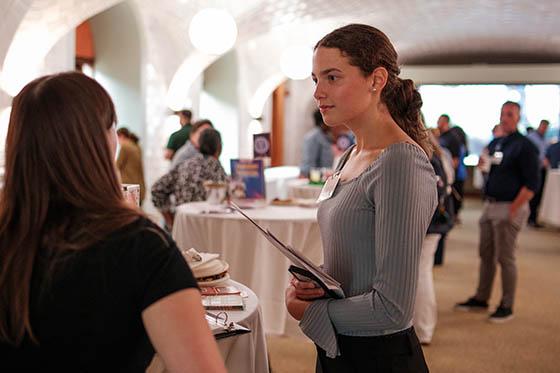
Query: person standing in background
{"x": 317, "y": 147}
{"x": 454, "y": 139}
{"x": 425, "y": 306}
{"x": 180, "y": 137}
{"x": 538, "y": 137}
{"x": 129, "y": 160}
{"x": 185, "y": 183}
{"x": 190, "y": 149}
{"x": 512, "y": 182}
{"x": 552, "y": 159}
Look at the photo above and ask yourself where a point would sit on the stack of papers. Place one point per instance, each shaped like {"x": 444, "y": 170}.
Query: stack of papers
{"x": 223, "y": 302}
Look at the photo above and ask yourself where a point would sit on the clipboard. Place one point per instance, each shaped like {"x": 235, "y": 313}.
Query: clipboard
{"x": 220, "y": 327}
{"x": 301, "y": 265}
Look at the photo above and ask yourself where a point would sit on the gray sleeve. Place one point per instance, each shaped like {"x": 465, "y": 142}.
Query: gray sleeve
{"x": 179, "y": 157}
{"x": 309, "y": 155}
{"x": 404, "y": 196}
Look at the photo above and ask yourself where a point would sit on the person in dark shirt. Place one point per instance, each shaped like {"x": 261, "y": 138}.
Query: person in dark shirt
{"x": 180, "y": 137}
{"x": 512, "y": 182}
{"x": 87, "y": 283}
{"x": 538, "y": 137}
{"x": 552, "y": 158}
{"x": 454, "y": 139}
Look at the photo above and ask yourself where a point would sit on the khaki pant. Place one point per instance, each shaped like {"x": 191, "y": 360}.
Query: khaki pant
{"x": 498, "y": 238}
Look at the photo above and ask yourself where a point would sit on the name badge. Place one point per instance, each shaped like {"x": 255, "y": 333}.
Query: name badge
{"x": 497, "y": 158}
{"x": 329, "y": 187}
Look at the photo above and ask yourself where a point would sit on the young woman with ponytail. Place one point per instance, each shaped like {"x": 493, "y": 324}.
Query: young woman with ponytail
{"x": 374, "y": 220}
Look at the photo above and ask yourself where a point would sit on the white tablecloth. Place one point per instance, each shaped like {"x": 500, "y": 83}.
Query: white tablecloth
{"x": 252, "y": 259}
{"x": 301, "y": 188}
{"x": 549, "y": 212}
{"x": 245, "y": 353}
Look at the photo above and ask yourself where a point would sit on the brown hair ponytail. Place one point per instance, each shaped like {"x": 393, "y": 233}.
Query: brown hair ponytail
{"x": 404, "y": 102}
{"x": 368, "y": 48}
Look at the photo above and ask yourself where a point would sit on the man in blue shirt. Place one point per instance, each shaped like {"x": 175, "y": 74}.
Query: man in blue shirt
{"x": 317, "y": 147}
{"x": 538, "y": 137}
{"x": 512, "y": 182}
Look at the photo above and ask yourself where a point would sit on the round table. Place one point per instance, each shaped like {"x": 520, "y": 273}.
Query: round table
{"x": 549, "y": 212}
{"x": 301, "y": 188}
{"x": 252, "y": 259}
{"x": 245, "y": 353}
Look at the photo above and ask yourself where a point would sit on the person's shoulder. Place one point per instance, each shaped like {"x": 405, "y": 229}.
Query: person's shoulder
{"x": 184, "y": 131}
{"x": 311, "y": 134}
{"x": 400, "y": 159}
{"x": 127, "y": 146}
{"x": 447, "y": 135}
{"x": 176, "y": 133}
{"x": 213, "y": 166}
{"x": 526, "y": 142}
{"x": 402, "y": 152}
{"x": 183, "y": 148}
{"x": 211, "y": 160}
{"x": 192, "y": 161}
{"x": 143, "y": 230}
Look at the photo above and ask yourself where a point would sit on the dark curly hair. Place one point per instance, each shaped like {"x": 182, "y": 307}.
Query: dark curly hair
{"x": 210, "y": 142}
{"x": 369, "y": 48}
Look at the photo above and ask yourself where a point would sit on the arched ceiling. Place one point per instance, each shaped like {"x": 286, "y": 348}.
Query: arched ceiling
{"x": 42, "y": 23}
{"x": 424, "y": 31}
{"x": 432, "y": 31}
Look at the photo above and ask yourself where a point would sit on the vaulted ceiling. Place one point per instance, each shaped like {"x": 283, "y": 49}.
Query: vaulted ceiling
{"x": 432, "y": 31}
{"x": 424, "y": 31}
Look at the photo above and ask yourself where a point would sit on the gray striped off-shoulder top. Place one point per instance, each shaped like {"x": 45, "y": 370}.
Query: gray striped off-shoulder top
{"x": 372, "y": 230}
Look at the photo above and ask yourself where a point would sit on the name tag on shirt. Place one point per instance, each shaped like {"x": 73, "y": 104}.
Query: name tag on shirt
{"x": 329, "y": 187}
{"x": 497, "y": 158}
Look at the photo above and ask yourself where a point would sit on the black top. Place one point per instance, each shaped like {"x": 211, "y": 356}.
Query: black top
{"x": 442, "y": 220}
{"x": 553, "y": 155}
{"x": 452, "y": 142}
{"x": 87, "y": 317}
{"x": 518, "y": 168}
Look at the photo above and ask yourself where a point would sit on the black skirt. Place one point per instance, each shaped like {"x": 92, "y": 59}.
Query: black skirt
{"x": 394, "y": 353}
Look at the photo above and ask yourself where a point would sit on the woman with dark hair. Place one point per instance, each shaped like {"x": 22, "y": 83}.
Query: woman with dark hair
{"x": 87, "y": 283}
{"x": 374, "y": 210}
{"x": 186, "y": 181}
{"x": 129, "y": 160}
